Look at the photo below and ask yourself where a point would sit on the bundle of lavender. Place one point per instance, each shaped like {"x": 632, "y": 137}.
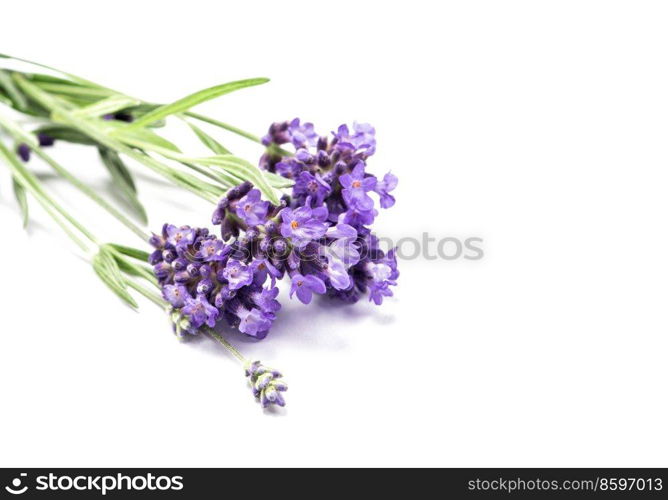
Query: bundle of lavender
{"x": 304, "y": 213}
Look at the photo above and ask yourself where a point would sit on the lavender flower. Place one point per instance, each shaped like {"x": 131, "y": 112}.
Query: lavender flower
{"x": 237, "y": 274}
{"x": 320, "y": 237}
{"x": 309, "y": 185}
{"x": 306, "y": 286}
{"x": 251, "y": 209}
{"x": 211, "y": 250}
{"x": 383, "y": 189}
{"x": 200, "y": 312}
{"x": 332, "y": 187}
{"x": 180, "y": 237}
{"x": 266, "y": 384}
{"x": 205, "y": 280}
{"x": 356, "y": 186}
{"x": 23, "y": 150}
{"x": 362, "y": 139}
{"x": 175, "y": 294}
{"x": 45, "y": 140}
{"x": 302, "y": 225}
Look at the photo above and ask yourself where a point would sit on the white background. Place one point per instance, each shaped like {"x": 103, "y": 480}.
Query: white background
{"x": 538, "y": 126}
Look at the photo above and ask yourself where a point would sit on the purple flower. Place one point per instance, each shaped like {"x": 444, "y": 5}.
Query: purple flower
{"x": 345, "y": 250}
{"x": 45, "y": 139}
{"x": 379, "y": 290}
{"x": 357, "y": 217}
{"x": 355, "y": 188}
{"x": 341, "y": 230}
{"x": 180, "y": 237}
{"x": 211, "y": 250}
{"x": 254, "y": 322}
{"x": 305, "y": 286}
{"x": 176, "y": 295}
{"x": 278, "y": 134}
{"x": 311, "y": 185}
{"x": 23, "y": 150}
{"x": 383, "y": 188}
{"x": 302, "y": 135}
{"x": 200, "y": 312}
{"x": 261, "y": 269}
{"x": 337, "y": 273}
{"x": 379, "y": 271}
{"x": 266, "y": 300}
{"x": 266, "y": 384}
{"x": 289, "y": 168}
{"x": 237, "y": 274}
{"x": 301, "y": 225}
{"x": 362, "y": 138}
{"x": 251, "y": 209}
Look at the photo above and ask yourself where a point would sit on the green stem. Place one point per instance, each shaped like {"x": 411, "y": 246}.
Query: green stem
{"x": 226, "y": 344}
{"x": 152, "y": 296}
{"x": 89, "y": 128}
{"x": 31, "y": 184}
{"x": 160, "y": 302}
{"x": 91, "y": 194}
{"x": 224, "y": 126}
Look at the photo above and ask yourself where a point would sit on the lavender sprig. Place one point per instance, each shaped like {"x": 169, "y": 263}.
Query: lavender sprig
{"x": 266, "y": 384}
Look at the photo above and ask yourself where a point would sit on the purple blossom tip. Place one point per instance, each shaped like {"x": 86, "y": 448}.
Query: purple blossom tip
{"x": 23, "y": 150}
{"x": 266, "y": 384}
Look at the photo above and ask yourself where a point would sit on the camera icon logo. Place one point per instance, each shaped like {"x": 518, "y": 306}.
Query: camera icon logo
{"x": 15, "y": 488}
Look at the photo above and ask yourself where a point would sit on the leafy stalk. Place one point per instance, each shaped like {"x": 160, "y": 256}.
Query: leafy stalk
{"x": 191, "y": 100}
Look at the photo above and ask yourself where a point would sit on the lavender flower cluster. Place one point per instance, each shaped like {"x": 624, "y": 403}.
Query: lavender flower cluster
{"x": 319, "y": 237}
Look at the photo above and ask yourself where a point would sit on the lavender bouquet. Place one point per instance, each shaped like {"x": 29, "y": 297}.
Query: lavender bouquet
{"x": 304, "y": 213}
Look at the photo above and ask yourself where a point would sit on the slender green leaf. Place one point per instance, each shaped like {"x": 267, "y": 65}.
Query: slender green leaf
{"x": 135, "y": 137}
{"x": 209, "y": 141}
{"x": 193, "y": 99}
{"x": 75, "y": 90}
{"x": 107, "y": 269}
{"x": 41, "y": 77}
{"x": 22, "y": 199}
{"x": 278, "y": 181}
{"x": 13, "y": 93}
{"x": 135, "y": 253}
{"x": 133, "y": 270}
{"x": 94, "y": 129}
{"x": 123, "y": 180}
{"x": 106, "y": 106}
{"x": 66, "y": 134}
{"x": 224, "y": 126}
{"x": 17, "y": 132}
{"x": 77, "y": 79}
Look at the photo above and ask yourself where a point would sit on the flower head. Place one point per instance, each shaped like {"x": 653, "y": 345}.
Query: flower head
{"x": 362, "y": 138}
{"x": 237, "y": 274}
{"x": 306, "y": 286}
{"x": 302, "y": 225}
{"x": 211, "y": 250}
{"x": 175, "y": 294}
{"x": 180, "y": 236}
{"x": 302, "y": 134}
{"x": 356, "y": 186}
{"x": 311, "y": 185}
{"x": 251, "y": 209}
{"x": 383, "y": 189}
{"x": 266, "y": 384}
{"x": 200, "y": 312}
{"x": 23, "y": 150}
